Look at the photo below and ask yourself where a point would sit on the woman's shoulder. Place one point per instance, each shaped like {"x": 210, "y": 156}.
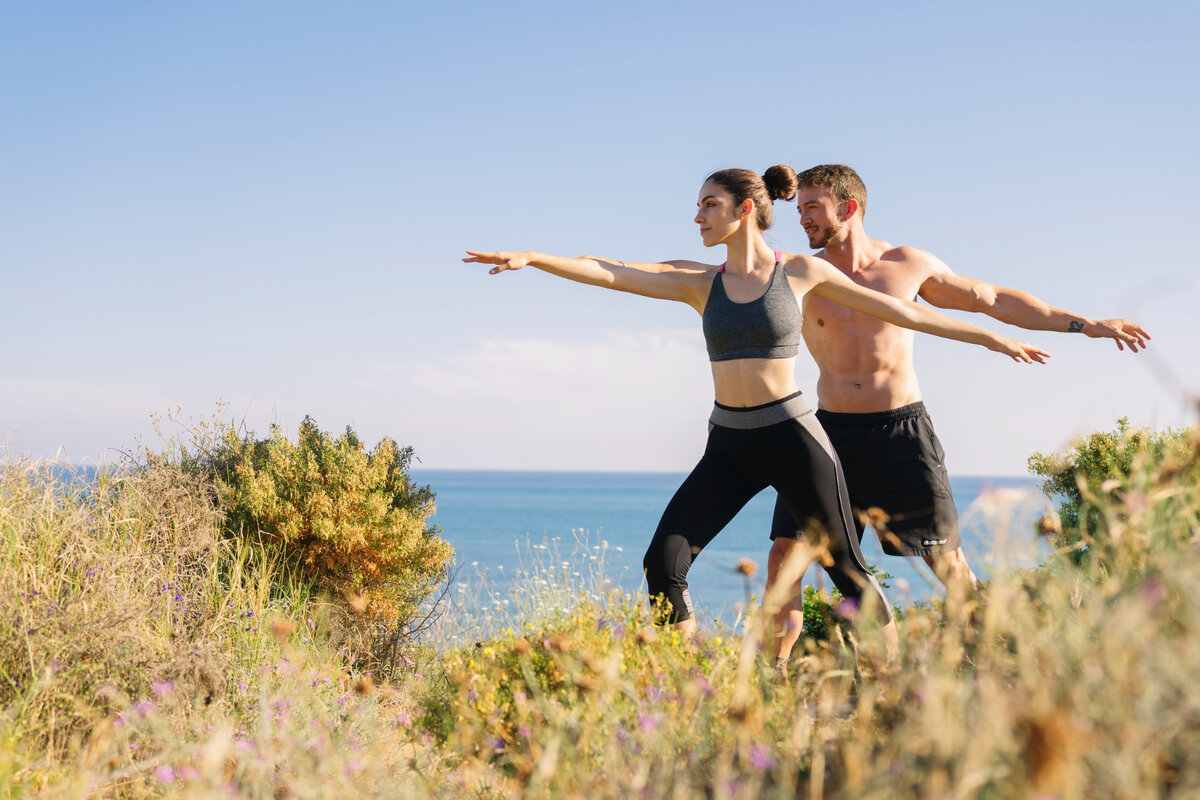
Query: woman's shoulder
{"x": 800, "y": 266}
{"x": 696, "y": 267}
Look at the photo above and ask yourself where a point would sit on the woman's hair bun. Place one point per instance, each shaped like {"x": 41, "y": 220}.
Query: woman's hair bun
{"x": 781, "y": 182}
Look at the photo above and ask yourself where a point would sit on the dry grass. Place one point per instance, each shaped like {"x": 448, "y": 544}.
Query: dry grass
{"x": 1072, "y": 681}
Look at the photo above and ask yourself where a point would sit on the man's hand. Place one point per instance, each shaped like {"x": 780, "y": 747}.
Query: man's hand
{"x": 1122, "y": 331}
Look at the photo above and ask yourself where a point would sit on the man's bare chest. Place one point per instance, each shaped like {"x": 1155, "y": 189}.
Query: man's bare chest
{"x": 894, "y": 280}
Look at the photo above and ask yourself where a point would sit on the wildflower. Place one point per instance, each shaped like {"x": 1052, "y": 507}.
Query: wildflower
{"x": 760, "y": 757}
{"x": 403, "y": 719}
{"x": 162, "y": 688}
{"x": 1153, "y": 592}
{"x": 1049, "y": 525}
{"x": 746, "y": 567}
{"x": 647, "y": 722}
{"x": 144, "y": 708}
{"x": 847, "y": 609}
{"x": 164, "y": 773}
{"x": 281, "y": 629}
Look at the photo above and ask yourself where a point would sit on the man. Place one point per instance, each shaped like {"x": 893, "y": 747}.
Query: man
{"x": 869, "y": 401}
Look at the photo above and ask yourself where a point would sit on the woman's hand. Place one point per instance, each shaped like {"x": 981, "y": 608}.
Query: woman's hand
{"x": 503, "y": 261}
{"x": 1019, "y": 351}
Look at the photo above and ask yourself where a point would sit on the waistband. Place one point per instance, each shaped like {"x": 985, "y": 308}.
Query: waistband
{"x": 791, "y": 407}
{"x": 916, "y": 409}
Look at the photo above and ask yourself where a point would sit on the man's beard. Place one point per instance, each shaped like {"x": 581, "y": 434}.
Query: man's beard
{"x": 824, "y": 236}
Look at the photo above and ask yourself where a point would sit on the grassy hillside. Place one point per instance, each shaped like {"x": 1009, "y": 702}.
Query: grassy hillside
{"x": 146, "y": 653}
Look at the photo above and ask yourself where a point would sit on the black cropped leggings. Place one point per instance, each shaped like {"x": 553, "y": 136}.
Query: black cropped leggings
{"x": 782, "y": 445}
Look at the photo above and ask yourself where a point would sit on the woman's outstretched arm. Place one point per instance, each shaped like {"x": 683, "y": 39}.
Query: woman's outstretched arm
{"x": 682, "y": 286}
{"x": 827, "y": 281}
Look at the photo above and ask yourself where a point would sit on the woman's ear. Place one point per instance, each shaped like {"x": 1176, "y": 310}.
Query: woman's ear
{"x": 747, "y": 208}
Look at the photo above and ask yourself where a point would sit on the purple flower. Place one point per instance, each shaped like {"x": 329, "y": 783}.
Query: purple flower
{"x": 144, "y": 708}
{"x": 162, "y": 688}
{"x": 847, "y": 609}
{"x": 403, "y": 719}
{"x": 648, "y": 722}
{"x": 164, "y": 773}
{"x": 1153, "y": 592}
{"x": 497, "y": 745}
{"x": 760, "y": 757}
{"x": 90, "y": 573}
{"x": 524, "y": 731}
{"x": 654, "y": 693}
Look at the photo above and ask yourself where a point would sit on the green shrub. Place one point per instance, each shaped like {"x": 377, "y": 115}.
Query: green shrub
{"x": 347, "y": 519}
{"x": 1105, "y": 466}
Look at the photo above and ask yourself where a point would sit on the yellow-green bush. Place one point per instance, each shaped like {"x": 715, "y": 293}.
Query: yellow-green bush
{"x": 348, "y": 519}
{"x": 1106, "y": 466}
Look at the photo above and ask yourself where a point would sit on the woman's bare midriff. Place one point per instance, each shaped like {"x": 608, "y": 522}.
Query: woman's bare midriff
{"x": 746, "y": 382}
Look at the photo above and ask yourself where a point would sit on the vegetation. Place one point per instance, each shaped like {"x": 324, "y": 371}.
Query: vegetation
{"x": 346, "y": 520}
{"x": 1102, "y": 467}
{"x": 146, "y": 652}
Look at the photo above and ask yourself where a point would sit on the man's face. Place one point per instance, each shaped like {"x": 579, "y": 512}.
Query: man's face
{"x": 819, "y": 216}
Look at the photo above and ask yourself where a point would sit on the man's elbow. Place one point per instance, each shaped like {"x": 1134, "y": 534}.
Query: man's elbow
{"x": 983, "y": 299}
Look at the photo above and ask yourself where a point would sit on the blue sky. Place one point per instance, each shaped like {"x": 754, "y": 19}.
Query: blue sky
{"x": 265, "y": 204}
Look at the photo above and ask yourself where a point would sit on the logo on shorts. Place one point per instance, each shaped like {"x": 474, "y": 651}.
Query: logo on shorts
{"x": 932, "y": 542}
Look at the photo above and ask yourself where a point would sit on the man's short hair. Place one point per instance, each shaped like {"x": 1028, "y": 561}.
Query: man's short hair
{"x": 840, "y": 181}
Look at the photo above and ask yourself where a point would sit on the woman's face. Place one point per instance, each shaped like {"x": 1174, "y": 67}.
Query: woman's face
{"x": 716, "y": 214}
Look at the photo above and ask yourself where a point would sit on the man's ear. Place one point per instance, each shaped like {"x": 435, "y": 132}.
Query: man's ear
{"x": 851, "y": 209}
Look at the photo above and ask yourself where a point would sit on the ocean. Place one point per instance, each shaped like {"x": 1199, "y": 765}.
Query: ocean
{"x": 502, "y": 523}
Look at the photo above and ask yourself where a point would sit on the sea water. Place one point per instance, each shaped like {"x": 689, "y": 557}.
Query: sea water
{"x": 499, "y": 522}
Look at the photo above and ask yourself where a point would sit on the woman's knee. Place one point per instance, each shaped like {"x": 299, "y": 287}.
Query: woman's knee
{"x": 667, "y": 559}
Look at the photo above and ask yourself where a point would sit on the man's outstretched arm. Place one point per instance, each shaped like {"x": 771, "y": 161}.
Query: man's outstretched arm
{"x": 945, "y": 289}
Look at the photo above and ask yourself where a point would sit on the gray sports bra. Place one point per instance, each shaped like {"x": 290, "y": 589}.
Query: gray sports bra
{"x": 768, "y": 327}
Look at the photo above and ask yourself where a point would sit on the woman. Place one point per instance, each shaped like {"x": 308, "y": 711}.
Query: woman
{"x": 762, "y": 432}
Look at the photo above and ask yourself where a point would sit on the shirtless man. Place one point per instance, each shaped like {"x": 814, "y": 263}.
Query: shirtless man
{"x": 868, "y": 398}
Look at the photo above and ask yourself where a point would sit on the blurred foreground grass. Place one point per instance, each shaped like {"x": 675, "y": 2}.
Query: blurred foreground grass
{"x": 143, "y": 654}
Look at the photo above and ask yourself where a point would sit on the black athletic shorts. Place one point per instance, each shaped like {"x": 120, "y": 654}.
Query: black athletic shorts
{"x": 893, "y": 462}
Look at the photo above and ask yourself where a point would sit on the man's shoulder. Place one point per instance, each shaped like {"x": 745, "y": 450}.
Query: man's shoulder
{"x": 910, "y": 258}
